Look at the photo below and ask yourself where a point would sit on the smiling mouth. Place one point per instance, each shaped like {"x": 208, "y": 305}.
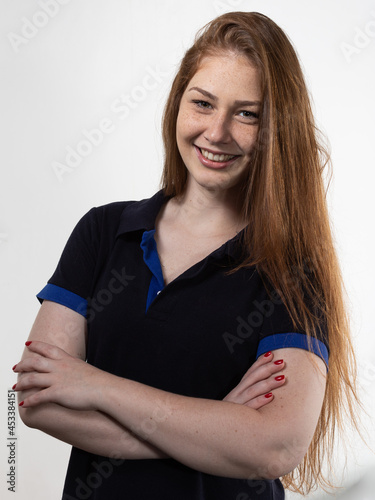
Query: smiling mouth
{"x": 216, "y": 157}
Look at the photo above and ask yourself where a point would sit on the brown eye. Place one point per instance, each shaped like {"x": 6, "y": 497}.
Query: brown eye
{"x": 249, "y": 114}
{"x": 202, "y": 104}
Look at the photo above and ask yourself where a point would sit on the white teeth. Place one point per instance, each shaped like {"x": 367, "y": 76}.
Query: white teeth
{"x": 213, "y": 157}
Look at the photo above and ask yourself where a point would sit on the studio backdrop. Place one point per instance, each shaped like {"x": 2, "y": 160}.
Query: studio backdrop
{"x": 83, "y": 86}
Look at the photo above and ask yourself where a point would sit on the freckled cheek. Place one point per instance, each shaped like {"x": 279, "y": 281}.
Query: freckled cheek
{"x": 188, "y": 127}
{"x": 248, "y": 141}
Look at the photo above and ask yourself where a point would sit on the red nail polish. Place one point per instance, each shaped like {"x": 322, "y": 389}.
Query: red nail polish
{"x": 269, "y": 395}
{"x": 21, "y": 403}
{"x": 279, "y": 362}
{"x": 280, "y": 377}
{"x": 14, "y": 367}
{"x": 14, "y": 387}
{"x": 28, "y": 343}
{"x": 267, "y": 354}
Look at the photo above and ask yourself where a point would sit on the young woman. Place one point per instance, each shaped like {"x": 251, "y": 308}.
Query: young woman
{"x": 192, "y": 306}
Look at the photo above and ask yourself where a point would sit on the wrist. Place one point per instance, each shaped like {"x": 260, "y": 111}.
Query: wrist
{"x": 107, "y": 387}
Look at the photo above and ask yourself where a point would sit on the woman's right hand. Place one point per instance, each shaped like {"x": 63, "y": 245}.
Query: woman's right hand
{"x": 254, "y": 389}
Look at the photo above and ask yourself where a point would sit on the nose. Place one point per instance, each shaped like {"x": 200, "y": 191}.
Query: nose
{"x": 218, "y": 130}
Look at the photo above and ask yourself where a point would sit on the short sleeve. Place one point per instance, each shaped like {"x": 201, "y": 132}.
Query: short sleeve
{"x": 71, "y": 283}
{"x": 277, "y": 332}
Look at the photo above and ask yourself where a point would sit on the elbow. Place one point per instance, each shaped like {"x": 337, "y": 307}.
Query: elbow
{"x": 275, "y": 463}
{"x": 41, "y": 417}
{"x": 33, "y": 417}
{"x": 282, "y": 460}
{"x": 27, "y": 415}
{"x": 279, "y": 466}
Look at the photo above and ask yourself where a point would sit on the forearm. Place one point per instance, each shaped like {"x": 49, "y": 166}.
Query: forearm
{"x": 92, "y": 431}
{"x": 215, "y": 437}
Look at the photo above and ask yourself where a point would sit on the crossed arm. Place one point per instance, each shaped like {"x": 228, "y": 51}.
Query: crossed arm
{"x": 111, "y": 416}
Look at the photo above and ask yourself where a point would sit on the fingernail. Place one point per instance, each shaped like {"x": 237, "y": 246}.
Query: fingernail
{"x": 21, "y": 403}
{"x": 267, "y": 354}
{"x": 28, "y": 343}
{"x": 269, "y": 395}
{"x": 14, "y": 367}
{"x": 14, "y": 387}
{"x": 280, "y": 377}
{"x": 279, "y": 362}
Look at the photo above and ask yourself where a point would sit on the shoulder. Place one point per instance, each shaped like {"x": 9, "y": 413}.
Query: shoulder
{"x": 111, "y": 211}
{"x": 99, "y": 224}
{"x": 107, "y": 216}
{"x": 119, "y": 217}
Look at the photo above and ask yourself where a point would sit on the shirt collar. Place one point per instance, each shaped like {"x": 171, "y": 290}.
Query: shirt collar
{"x": 141, "y": 215}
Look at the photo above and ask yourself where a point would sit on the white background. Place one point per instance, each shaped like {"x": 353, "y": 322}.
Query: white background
{"x": 68, "y": 76}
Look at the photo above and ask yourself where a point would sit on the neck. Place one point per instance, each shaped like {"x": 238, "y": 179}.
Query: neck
{"x": 209, "y": 211}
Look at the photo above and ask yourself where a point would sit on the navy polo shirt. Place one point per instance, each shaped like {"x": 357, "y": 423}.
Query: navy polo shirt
{"x": 196, "y": 337}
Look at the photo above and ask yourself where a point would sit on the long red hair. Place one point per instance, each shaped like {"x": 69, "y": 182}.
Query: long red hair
{"x": 284, "y": 202}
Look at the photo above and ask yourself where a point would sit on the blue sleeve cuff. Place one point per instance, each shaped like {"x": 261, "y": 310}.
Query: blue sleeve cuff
{"x": 64, "y": 297}
{"x": 299, "y": 340}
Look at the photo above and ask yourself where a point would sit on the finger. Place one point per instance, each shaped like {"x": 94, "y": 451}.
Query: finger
{"x": 16, "y": 367}
{"x": 20, "y": 375}
{"x": 253, "y": 391}
{"x": 44, "y": 349}
{"x": 262, "y": 360}
{"x": 262, "y": 388}
{"x": 40, "y": 397}
{"x": 249, "y": 386}
{"x": 266, "y": 360}
{"x": 260, "y": 401}
{"x": 33, "y": 364}
{"x": 262, "y": 372}
{"x": 33, "y": 381}
{"x": 47, "y": 350}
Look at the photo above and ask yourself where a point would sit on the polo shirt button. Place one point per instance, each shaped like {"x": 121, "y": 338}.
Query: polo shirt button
{"x": 158, "y": 292}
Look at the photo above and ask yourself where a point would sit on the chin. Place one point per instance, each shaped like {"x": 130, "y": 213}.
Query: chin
{"x": 215, "y": 186}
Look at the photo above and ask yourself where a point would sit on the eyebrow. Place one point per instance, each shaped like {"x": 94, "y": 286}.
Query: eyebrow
{"x": 214, "y": 98}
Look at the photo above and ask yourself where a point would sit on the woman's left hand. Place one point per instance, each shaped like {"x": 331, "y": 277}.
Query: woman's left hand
{"x": 60, "y": 378}
{"x": 254, "y": 389}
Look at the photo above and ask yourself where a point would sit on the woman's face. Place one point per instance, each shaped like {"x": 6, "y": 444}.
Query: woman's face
{"x": 217, "y": 123}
